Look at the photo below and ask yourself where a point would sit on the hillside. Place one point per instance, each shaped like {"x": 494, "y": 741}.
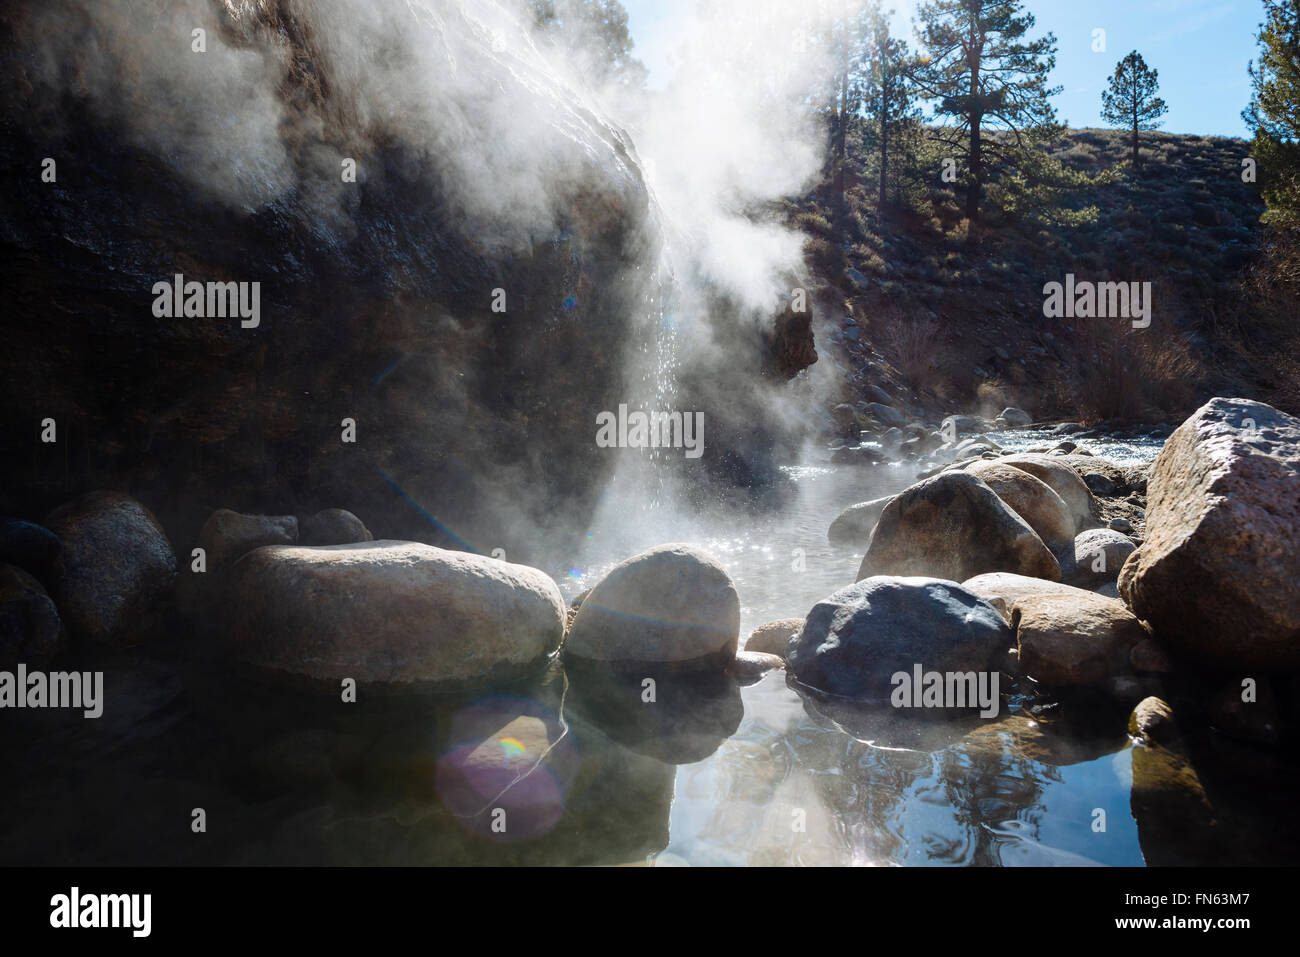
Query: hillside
{"x": 919, "y": 308}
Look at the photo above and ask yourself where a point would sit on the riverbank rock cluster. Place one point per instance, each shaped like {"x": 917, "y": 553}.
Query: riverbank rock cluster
{"x": 1180, "y": 578}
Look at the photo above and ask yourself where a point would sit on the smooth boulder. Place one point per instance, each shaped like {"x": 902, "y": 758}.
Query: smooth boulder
{"x": 1002, "y": 589}
{"x": 1034, "y": 501}
{"x": 771, "y": 638}
{"x": 853, "y": 526}
{"x": 1063, "y": 480}
{"x": 1099, "y": 554}
{"x": 953, "y": 526}
{"x": 1074, "y": 638}
{"x": 229, "y": 535}
{"x": 114, "y": 567}
{"x": 1217, "y": 572}
{"x": 671, "y": 605}
{"x": 855, "y": 640}
{"x": 333, "y": 526}
{"x": 392, "y": 613}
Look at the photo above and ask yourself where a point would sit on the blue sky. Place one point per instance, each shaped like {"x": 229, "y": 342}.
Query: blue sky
{"x": 1200, "y": 48}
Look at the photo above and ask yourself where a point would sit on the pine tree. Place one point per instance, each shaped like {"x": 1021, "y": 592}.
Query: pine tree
{"x": 1274, "y": 111}
{"x": 594, "y": 33}
{"x": 887, "y": 91}
{"x": 988, "y": 77}
{"x": 1131, "y": 101}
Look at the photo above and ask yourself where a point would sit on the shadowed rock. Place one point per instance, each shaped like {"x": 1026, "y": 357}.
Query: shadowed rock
{"x": 30, "y": 630}
{"x": 227, "y": 535}
{"x": 115, "y": 565}
{"x": 1074, "y": 638}
{"x": 333, "y": 526}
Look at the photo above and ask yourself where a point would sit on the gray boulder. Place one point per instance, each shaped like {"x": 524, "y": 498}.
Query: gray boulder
{"x": 855, "y": 640}
{"x": 114, "y": 567}
{"x": 333, "y": 526}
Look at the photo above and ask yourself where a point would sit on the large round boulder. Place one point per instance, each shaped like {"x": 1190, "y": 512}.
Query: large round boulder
{"x": 392, "y": 613}
{"x": 1062, "y": 479}
{"x": 672, "y": 604}
{"x": 953, "y": 526}
{"x": 1217, "y": 573}
{"x": 30, "y": 630}
{"x": 114, "y": 566}
{"x": 854, "y": 641}
{"x": 1034, "y": 501}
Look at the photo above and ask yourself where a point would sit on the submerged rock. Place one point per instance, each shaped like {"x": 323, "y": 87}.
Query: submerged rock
{"x": 333, "y": 526}
{"x": 115, "y": 565}
{"x": 30, "y": 630}
{"x": 772, "y": 638}
{"x": 853, "y": 526}
{"x": 953, "y": 526}
{"x": 228, "y": 535}
{"x": 669, "y": 605}
{"x": 392, "y": 613}
{"x": 1153, "y": 720}
{"x": 855, "y": 640}
{"x": 1216, "y": 574}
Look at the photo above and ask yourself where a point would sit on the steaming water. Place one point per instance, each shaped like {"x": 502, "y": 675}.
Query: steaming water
{"x": 714, "y": 775}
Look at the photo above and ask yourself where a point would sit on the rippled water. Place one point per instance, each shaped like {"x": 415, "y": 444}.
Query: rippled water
{"x": 578, "y": 769}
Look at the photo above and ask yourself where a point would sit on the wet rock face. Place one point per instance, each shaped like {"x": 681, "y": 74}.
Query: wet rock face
{"x": 669, "y": 605}
{"x": 1216, "y": 574}
{"x": 391, "y": 613}
{"x": 115, "y": 565}
{"x": 378, "y": 293}
{"x": 855, "y": 640}
{"x": 953, "y": 526}
{"x": 30, "y": 630}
